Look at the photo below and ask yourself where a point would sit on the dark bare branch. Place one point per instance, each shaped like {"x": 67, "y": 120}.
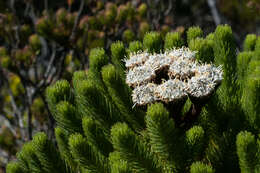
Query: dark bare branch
{"x": 76, "y": 22}
{"x": 214, "y": 11}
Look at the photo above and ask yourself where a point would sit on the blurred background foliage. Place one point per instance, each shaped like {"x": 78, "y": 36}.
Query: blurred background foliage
{"x": 43, "y": 41}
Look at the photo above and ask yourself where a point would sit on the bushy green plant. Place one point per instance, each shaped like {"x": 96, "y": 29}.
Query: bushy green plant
{"x": 99, "y": 130}
{"x": 42, "y": 42}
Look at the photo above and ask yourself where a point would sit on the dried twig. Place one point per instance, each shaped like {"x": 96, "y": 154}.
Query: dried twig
{"x": 214, "y": 11}
{"x": 47, "y": 72}
{"x": 76, "y": 22}
{"x": 170, "y": 7}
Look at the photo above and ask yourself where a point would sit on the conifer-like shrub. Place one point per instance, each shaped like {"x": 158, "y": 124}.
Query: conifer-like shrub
{"x": 44, "y": 41}
{"x": 105, "y": 125}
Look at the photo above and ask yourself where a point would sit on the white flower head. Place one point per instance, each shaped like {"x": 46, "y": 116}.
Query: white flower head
{"x": 139, "y": 75}
{"x": 171, "y": 90}
{"x": 144, "y": 94}
{"x": 170, "y": 76}
{"x": 136, "y": 59}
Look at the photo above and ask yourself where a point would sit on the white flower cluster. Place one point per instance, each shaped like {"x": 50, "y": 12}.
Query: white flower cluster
{"x": 185, "y": 76}
{"x": 171, "y": 90}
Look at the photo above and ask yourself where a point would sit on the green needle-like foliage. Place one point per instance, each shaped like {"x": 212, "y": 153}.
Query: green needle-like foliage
{"x": 85, "y": 156}
{"x": 243, "y": 60}
{"x": 133, "y": 150}
{"x": 47, "y": 154}
{"x": 153, "y": 42}
{"x": 100, "y": 129}
{"x": 163, "y": 133}
{"x": 78, "y": 76}
{"x": 96, "y": 136}
{"x": 249, "y": 43}
{"x": 120, "y": 94}
{"x": 257, "y": 49}
{"x": 210, "y": 37}
{"x": 117, "y": 164}
{"x": 248, "y": 152}
{"x": 173, "y": 40}
{"x": 14, "y": 168}
{"x": 58, "y": 92}
{"x": 39, "y": 156}
{"x": 194, "y": 32}
{"x": 195, "y": 139}
{"x": 116, "y": 86}
{"x": 225, "y": 51}
{"x": 204, "y": 48}
{"x": 160, "y": 128}
{"x": 225, "y": 54}
{"x": 199, "y": 167}
{"x": 29, "y": 160}
{"x": 251, "y": 98}
{"x": 118, "y": 53}
{"x": 67, "y": 117}
{"x": 62, "y": 138}
{"x": 97, "y": 59}
{"x": 103, "y": 111}
{"x": 135, "y": 46}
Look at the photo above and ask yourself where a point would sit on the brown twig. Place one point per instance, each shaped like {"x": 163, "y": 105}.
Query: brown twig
{"x": 76, "y": 22}
{"x": 214, "y": 11}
